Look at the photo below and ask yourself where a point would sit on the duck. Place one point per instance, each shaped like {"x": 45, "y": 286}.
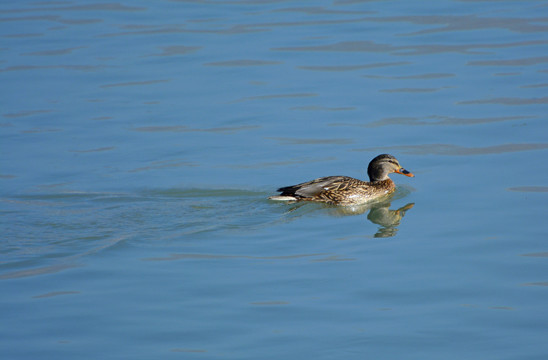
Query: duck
{"x": 346, "y": 190}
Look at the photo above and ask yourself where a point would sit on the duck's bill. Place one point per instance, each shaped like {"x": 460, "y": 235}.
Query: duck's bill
{"x": 404, "y": 172}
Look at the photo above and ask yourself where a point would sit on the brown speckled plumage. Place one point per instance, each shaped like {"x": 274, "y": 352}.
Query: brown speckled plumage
{"x": 345, "y": 190}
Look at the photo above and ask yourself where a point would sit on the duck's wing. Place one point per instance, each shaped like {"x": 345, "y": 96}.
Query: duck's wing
{"x": 316, "y": 187}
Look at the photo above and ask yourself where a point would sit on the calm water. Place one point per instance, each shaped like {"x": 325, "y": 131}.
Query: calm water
{"x": 139, "y": 142}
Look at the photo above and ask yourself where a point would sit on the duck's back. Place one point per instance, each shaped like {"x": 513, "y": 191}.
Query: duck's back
{"x": 341, "y": 190}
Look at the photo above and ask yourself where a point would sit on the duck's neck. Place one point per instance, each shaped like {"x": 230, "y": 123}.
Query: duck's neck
{"x": 378, "y": 176}
{"x": 383, "y": 183}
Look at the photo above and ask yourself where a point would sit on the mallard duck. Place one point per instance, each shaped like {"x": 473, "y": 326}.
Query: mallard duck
{"x": 345, "y": 190}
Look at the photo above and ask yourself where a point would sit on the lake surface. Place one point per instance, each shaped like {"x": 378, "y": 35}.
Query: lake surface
{"x": 139, "y": 142}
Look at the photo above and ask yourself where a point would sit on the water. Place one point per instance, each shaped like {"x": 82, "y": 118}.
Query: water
{"x": 139, "y": 144}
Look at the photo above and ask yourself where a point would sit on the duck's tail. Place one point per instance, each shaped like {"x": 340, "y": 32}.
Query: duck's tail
{"x": 282, "y": 198}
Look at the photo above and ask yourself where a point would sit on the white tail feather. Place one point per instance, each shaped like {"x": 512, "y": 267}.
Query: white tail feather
{"x": 282, "y": 198}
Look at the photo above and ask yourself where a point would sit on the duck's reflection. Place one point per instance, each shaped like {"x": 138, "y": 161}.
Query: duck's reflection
{"x": 389, "y": 220}
{"x": 378, "y": 213}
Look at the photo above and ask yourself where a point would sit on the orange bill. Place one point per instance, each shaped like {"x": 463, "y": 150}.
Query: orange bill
{"x": 404, "y": 172}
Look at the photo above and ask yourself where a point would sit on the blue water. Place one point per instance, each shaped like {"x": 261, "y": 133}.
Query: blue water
{"x": 139, "y": 143}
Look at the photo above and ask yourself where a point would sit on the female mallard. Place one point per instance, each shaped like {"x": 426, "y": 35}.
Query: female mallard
{"x": 344, "y": 190}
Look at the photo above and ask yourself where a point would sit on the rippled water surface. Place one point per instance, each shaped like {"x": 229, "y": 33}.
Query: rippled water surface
{"x": 140, "y": 141}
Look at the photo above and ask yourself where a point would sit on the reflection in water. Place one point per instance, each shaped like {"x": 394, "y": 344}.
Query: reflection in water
{"x": 389, "y": 220}
{"x": 379, "y": 213}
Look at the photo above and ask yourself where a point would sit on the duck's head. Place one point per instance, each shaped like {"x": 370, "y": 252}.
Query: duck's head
{"x": 385, "y": 164}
